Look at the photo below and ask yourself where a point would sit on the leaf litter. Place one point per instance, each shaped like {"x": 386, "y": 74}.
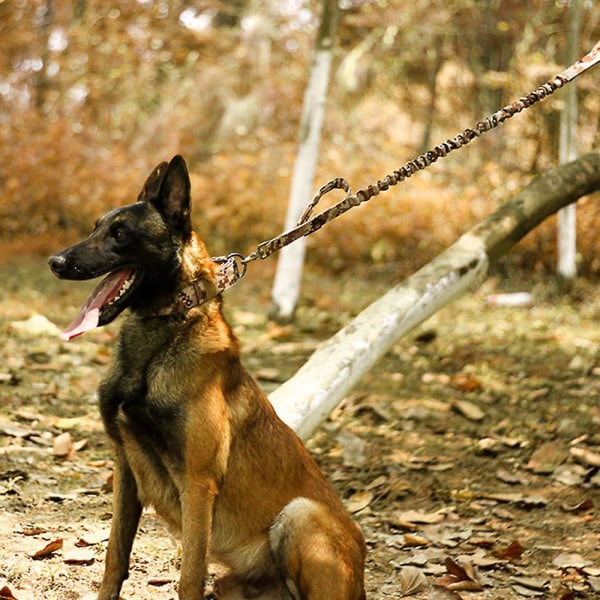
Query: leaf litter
{"x": 471, "y": 461}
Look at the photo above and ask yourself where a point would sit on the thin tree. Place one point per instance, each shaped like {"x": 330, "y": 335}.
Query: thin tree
{"x": 567, "y": 151}
{"x": 286, "y": 287}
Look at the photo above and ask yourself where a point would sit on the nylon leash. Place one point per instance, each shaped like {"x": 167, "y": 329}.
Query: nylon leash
{"x": 233, "y": 266}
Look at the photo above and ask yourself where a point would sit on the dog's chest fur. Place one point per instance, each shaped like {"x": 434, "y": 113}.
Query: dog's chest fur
{"x": 144, "y": 401}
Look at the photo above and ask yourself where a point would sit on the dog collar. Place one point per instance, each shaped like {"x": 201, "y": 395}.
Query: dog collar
{"x": 199, "y": 291}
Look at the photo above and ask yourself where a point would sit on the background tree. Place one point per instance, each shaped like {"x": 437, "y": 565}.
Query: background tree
{"x": 567, "y": 151}
{"x": 286, "y": 287}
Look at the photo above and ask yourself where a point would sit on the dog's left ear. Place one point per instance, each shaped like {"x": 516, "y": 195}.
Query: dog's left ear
{"x": 174, "y": 199}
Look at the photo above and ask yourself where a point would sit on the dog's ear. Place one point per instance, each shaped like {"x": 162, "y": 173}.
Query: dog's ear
{"x": 174, "y": 199}
{"x": 151, "y": 187}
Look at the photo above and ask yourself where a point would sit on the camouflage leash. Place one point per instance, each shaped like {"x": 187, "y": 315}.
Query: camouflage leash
{"x": 233, "y": 266}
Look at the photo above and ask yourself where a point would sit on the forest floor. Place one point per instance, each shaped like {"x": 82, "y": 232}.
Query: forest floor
{"x": 470, "y": 456}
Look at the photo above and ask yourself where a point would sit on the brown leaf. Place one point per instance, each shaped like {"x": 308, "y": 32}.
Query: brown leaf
{"x": 415, "y": 540}
{"x": 513, "y": 551}
{"x": 465, "y": 382}
{"x": 465, "y": 586}
{"x": 33, "y": 530}
{"x": 80, "y": 557}
{"x": 412, "y": 581}
{"x": 547, "y": 457}
{"x": 455, "y": 569}
{"x": 48, "y": 549}
{"x": 582, "y": 506}
{"x": 6, "y": 594}
{"x": 159, "y": 581}
{"x": 480, "y": 558}
{"x": 460, "y": 577}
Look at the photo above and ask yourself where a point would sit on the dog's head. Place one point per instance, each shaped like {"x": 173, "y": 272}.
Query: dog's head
{"x": 138, "y": 247}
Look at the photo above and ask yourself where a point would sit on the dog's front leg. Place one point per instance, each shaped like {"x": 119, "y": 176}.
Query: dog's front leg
{"x": 126, "y": 515}
{"x": 196, "y": 522}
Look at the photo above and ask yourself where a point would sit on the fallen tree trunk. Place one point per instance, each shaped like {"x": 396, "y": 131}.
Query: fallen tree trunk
{"x": 307, "y": 398}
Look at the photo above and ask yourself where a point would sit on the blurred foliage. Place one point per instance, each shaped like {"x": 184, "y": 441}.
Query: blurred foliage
{"x": 93, "y": 94}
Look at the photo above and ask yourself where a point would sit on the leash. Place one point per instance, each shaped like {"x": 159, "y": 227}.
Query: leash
{"x": 234, "y": 266}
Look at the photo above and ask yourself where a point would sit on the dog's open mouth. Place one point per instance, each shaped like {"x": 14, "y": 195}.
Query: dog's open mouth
{"x": 103, "y": 304}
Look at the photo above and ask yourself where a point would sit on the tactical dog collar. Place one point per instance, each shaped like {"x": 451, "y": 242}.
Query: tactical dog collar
{"x": 199, "y": 291}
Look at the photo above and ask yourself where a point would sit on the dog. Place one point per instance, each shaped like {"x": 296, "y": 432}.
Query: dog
{"x": 193, "y": 434}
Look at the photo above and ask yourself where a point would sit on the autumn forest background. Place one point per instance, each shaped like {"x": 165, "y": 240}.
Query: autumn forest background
{"x": 93, "y": 94}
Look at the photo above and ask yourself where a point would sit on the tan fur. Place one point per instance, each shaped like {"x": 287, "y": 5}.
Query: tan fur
{"x": 222, "y": 470}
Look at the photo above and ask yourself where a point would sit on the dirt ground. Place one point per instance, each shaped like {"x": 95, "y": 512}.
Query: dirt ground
{"x": 470, "y": 456}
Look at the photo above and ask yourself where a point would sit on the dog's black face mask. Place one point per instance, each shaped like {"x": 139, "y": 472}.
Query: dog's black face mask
{"x": 137, "y": 247}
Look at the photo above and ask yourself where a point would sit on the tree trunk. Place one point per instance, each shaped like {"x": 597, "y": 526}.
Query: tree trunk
{"x": 337, "y": 365}
{"x": 286, "y": 287}
{"x": 567, "y": 150}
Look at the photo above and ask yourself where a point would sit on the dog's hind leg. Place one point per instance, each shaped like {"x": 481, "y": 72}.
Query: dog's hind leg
{"x": 318, "y": 554}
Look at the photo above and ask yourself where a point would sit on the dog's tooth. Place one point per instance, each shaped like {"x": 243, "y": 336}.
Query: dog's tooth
{"x": 126, "y": 285}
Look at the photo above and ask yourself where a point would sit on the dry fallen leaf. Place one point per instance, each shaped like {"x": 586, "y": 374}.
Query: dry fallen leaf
{"x": 415, "y": 540}
{"x": 48, "y": 549}
{"x": 465, "y": 382}
{"x": 6, "y": 594}
{"x": 460, "y": 577}
{"x": 536, "y": 584}
{"x": 582, "y": 506}
{"x": 469, "y": 410}
{"x": 93, "y": 538}
{"x": 80, "y": 557}
{"x": 586, "y": 456}
{"x": 159, "y": 581}
{"x": 412, "y": 581}
{"x": 33, "y": 530}
{"x": 64, "y": 446}
{"x": 511, "y": 478}
{"x": 547, "y": 457}
{"x": 513, "y": 551}
{"x": 13, "y": 430}
{"x": 415, "y": 516}
{"x": 570, "y": 559}
{"x": 359, "y": 501}
{"x": 526, "y": 592}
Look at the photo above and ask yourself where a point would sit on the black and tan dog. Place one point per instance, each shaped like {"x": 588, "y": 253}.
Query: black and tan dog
{"x": 193, "y": 433}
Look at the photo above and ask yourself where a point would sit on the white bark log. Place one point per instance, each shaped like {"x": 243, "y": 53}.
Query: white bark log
{"x": 286, "y": 287}
{"x": 338, "y": 364}
{"x": 305, "y": 400}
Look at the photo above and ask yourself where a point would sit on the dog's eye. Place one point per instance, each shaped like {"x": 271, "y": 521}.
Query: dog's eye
{"x": 120, "y": 235}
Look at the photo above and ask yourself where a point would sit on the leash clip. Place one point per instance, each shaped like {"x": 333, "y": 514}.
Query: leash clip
{"x": 231, "y": 269}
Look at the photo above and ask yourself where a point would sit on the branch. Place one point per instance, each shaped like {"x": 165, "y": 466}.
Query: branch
{"x": 306, "y": 399}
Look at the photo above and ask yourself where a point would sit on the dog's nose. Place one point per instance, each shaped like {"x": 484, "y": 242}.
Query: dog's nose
{"x": 57, "y": 263}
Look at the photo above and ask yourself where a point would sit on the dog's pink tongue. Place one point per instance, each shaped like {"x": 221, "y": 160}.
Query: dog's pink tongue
{"x": 89, "y": 314}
